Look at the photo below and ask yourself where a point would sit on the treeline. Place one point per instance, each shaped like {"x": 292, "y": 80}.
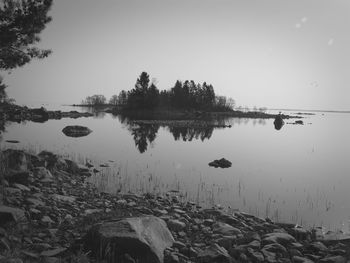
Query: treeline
{"x": 186, "y": 95}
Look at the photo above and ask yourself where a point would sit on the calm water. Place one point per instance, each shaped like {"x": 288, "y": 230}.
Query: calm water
{"x": 298, "y": 174}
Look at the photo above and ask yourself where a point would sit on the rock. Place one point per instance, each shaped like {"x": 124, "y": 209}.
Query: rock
{"x": 10, "y": 214}
{"x": 12, "y": 141}
{"x": 255, "y": 255}
{"x": 300, "y": 122}
{"x": 317, "y": 246}
{"x": 47, "y": 219}
{"x": 333, "y": 259}
{"x": 20, "y": 177}
{"x": 278, "y": 122}
{"x": 39, "y": 114}
{"x": 222, "y": 163}
{"x": 176, "y": 225}
{"x": 42, "y": 173}
{"x": 281, "y": 238}
{"x": 214, "y": 253}
{"x": 52, "y": 252}
{"x": 64, "y": 198}
{"x": 22, "y": 187}
{"x": 298, "y": 259}
{"x": 275, "y": 248}
{"x": 53, "y": 161}
{"x": 35, "y": 202}
{"x": 72, "y": 166}
{"x": 76, "y": 131}
{"x": 143, "y": 238}
{"x": 225, "y": 229}
{"x": 15, "y": 160}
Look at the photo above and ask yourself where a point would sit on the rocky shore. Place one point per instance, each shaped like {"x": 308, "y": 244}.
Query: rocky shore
{"x": 49, "y": 213}
{"x": 16, "y": 113}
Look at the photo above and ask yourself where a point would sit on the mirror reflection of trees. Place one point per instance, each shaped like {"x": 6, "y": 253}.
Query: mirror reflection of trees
{"x": 190, "y": 133}
{"x": 144, "y": 135}
{"x": 144, "y": 132}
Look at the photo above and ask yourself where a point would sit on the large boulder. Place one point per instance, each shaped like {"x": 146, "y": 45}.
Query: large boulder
{"x": 15, "y": 160}
{"x": 76, "y": 131}
{"x": 142, "y": 238}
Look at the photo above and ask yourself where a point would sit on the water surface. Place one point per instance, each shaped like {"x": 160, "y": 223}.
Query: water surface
{"x": 298, "y": 174}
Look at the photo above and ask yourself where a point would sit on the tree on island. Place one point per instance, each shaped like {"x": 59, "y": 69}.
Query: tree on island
{"x": 182, "y": 96}
{"x": 94, "y": 100}
{"x": 21, "y": 22}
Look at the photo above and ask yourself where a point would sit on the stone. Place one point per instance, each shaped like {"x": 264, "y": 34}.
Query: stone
{"x": 255, "y": 255}
{"x": 222, "y": 163}
{"x": 15, "y": 160}
{"x": 19, "y": 177}
{"x": 35, "y": 202}
{"x": 281, "y": 238}
{"x": 299, "y": 259}
{"x": 333, "y": 259}
{"x": 22, "y": 187}
{"x": 47, "y": 219}
{"x": 318, "y": 246}
{"x": 76, "y": 131}
{"x": 225, "y": 229}
{"x": 52, "y": 252}
{"x": 278, "y": 122}
{"x": 214, "y": 253}
{"x": 143, "y": 238}
{"x": 42, "y": 173}
{"x": 10, "y": 214}
{"x": 64, "y": 198}
{"x": 275, "y": 248}
{"x": 176, "y": 225}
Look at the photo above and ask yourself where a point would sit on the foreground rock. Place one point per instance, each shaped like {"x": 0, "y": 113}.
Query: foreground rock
{"x": 76, "y": 131}
{"x": 144, "y": 239}
{"x": 222, "y": 163}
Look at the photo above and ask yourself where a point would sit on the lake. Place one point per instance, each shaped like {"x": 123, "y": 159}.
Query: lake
{"x": 299, "y": 174}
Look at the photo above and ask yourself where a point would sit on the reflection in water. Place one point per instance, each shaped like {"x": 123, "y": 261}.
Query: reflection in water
{"x": 188, "y": 133}
{"x": 143, "y": 135}
{"x": 144, "y": 132}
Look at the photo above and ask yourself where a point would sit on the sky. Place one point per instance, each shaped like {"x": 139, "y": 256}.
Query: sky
{"x": 263, "y": 53}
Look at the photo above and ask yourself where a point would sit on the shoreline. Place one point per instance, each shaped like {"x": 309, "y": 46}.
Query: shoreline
{"x": 53, "y": 197}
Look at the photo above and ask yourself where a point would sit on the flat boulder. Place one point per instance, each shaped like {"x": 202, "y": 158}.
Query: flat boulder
{"x": 143, "y": 238}
{"x": 76, "y": 131}
{"x": 222, "y": 163}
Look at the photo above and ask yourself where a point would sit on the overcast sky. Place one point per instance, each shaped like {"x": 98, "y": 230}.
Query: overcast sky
{"x": 273, "y": 53}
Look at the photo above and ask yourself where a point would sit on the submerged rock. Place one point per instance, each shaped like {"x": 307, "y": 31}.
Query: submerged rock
{"x": 143, "y": 238}
{"x": 76, "y": 131}
{"x": 222, "y": 163}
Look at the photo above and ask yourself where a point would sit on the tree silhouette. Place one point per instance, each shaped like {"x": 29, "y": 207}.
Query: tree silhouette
{"x": 21, "y": 22}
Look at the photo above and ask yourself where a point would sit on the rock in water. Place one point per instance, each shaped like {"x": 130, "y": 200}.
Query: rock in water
{"x": 143, "y": 238}
{"x": 279, "y": 122}
{"x": 222, "y": 163}
{"x": 76, "y": 131}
